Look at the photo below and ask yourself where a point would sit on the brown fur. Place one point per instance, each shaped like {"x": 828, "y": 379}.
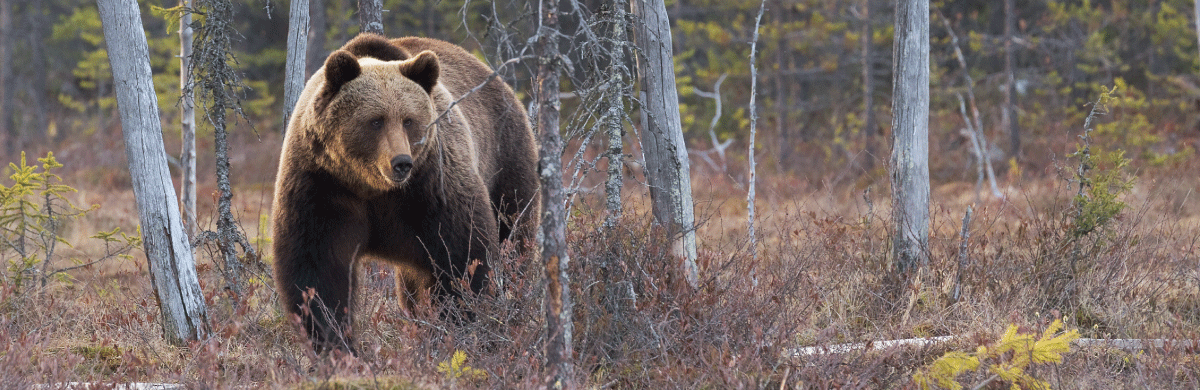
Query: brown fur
{"x": 338, "y": 198}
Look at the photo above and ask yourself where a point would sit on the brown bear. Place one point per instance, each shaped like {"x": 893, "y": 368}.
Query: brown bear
{"x": 407, "y": 151}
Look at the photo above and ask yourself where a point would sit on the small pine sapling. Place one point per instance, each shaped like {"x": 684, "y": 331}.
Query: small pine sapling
{"x": 1009, "y": 360}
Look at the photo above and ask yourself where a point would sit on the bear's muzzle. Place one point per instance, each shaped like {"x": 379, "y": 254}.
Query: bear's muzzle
{"x": 401, "y": 165}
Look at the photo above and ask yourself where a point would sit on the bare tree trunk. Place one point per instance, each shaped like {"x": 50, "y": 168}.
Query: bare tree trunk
{"x": 753, "y": 132}
{"x": 910, "y": 129}
{"x": 297, "y": 47}
{"x": 1008, "y": 116}
{"x": 667, "y": 167}
{"x": 219, "y": 82}
{"x": 187, "y": 119}
{"x": 7, "y": 83}
{"x": 868, "y": 81}
{"x": 554, "y": 218}
{"x": 172, "y": 267}
{"x": 978, "y": 139}
{"x": 614, "y": 118}
{"x": 36, "y": 18}
{"x": 370, "y": 16}
{"x": 1196, "y": 19}
{"x": 317, "y": 26}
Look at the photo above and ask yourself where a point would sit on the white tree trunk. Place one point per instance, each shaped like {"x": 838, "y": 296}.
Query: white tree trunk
{"x": 667, "y": 167}
{"x": 555, "y": 257}
{"x": 297, "y": 49}
{"x": 1008, "y": 116}
{"x": 753, "y": 132}
{"x": 910, "y": 129}
{"x": 1196, "y": 11}
{"x": 172, "y": 268}
{"x": 187, "y": 159}
{"x": 370, "y": 16}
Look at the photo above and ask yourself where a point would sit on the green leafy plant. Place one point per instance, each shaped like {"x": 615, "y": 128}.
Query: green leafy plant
{"x": 33, "y": 210}
{"x": 1101, "y": 181}
{"x": 1009, "y": 360}
{"x": 457, "y": 369}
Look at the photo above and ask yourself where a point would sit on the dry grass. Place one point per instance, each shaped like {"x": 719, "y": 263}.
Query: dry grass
{"x": 822, "y": 277}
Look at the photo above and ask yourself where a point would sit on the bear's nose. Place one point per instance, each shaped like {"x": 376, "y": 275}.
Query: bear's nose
{"x": 402, "y": 164}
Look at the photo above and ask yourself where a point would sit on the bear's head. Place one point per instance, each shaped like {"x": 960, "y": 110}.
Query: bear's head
{"x": 372, "y": 120}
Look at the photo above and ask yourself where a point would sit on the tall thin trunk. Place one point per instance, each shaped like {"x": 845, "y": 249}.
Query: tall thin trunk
{"x": 317, "y": 26}
{"x": 614, "y": 117}
{"x": 868, "y": 81}
{"x": 35, "y": 16}
{"x": 667, "y": 167}
{"x": 781, "y": 108}
{"x": 1196, "y": 19}
{"x": 752, "y": 169}
{"x": 370, "y": 16}
{"x": 7, "y": 83}
{"x": 187, "y": 121}
{"x": 1008, "y": 117}
{"x": 219, "y": 82}
{"x": 910, "y": 129}
{"x": 554, "y": 219}
{"x": 297, "y": 46}
{"x": 172, "y": 267}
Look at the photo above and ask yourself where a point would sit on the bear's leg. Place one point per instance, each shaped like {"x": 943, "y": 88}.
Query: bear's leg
{"x": 464, "y": 237}
{"x": 413, "y": 286}
{"x": 317, "y": 246}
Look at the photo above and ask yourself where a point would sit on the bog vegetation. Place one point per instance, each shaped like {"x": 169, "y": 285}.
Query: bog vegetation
{"x": 1096, "y": 234}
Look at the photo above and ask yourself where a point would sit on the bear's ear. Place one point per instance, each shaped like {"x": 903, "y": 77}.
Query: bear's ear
{"x": 374, "y": 46}
{"x": 340, "y": 68}
{"x": 422, "y": 69}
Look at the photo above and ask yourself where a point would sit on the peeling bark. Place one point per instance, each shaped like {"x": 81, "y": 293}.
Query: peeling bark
{"x": 172, "y": 267}
{"x": 667, "y": 167}
{"x": 910, "y": 129}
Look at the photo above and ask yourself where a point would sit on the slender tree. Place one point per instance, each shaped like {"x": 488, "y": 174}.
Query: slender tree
{"x": 370, "y": 16}
{"x": 220, "y": 86}
{"x": 554, "y": 218}
{"x": 8, "y": 85}
{"x": 614, "y": 117}
{"x": 667, "y": 167}
{"x": 753, "y": 132}
{"x": 172, "y": 267}
{"x": 1008, "y": 114}
{"x": 297, "y": 47}
{"x": 317, "y": 26}
{"x": 910, "y": 129}
{"x": 868, "y": 80}
{"x": 35, "y": 17}
{"x": 187, "y": 121}
{"x": 1196, "y": 20}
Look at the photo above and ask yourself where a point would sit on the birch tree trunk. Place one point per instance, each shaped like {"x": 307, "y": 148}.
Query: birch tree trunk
{"x": 297, "y": 48}
{"x": 172, "y": 267}
{"x": 370, "y": 16}
{"x": 868, "y": 81}
{"x": 614, "y": 117}
{"x": 667, "y": 166}
{"x": 187, "y": 121}
{"x": 316, "y": 38}
{"x": 1008, "y": 116}
{"x": 1196, "y": 19}
{"x": 7, "y": 84}
{"x": 554, "y": 219}
{"x": 35, "y": 17}
{"x": 753, "y": 133}
{"x": 910, "y": 129}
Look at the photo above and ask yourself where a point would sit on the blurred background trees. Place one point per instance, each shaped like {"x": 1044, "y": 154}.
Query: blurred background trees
{"x": 820, "y": 61}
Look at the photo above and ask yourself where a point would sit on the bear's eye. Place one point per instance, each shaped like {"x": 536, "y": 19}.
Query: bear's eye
{"x": 408, "y": 122}
{"x": 376, "y": 123}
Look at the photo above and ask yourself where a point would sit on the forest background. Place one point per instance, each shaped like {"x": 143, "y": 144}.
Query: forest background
{"x": 824, "y": 80}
